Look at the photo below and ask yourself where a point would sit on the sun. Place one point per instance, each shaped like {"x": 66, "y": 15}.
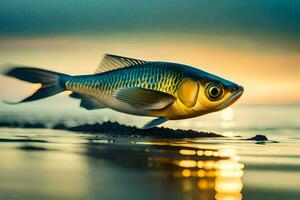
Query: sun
{"x": 227, "y": 114}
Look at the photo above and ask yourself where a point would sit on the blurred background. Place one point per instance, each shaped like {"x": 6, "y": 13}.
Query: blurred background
{"x": 253, "y": 43}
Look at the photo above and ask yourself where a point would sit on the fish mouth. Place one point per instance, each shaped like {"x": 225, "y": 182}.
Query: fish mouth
{"x": 239, "y": 90}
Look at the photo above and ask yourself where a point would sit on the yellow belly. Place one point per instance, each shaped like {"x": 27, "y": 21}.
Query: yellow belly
{"x": 177, "y": 110}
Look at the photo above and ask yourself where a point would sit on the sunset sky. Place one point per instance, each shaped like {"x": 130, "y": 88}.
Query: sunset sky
{"x": 254, "y": 43}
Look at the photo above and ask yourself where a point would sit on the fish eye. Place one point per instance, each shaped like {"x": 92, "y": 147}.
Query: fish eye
{"x": 214, "y": 91}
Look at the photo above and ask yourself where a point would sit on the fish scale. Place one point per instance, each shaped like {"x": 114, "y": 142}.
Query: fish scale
{"x": 149, "y": 77}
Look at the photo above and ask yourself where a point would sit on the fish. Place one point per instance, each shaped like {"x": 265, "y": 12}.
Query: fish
{"x": 164, "y": 90}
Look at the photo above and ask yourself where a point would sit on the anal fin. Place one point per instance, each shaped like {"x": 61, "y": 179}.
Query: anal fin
{"x": 87, "y": 102}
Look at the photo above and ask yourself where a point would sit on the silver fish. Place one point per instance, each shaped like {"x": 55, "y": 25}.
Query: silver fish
{"x": 167, "y": 91}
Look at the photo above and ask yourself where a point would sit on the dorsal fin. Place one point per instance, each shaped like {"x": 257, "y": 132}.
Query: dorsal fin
{"x": 112, "y": 62}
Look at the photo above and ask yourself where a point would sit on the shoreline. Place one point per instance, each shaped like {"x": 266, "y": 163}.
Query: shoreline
{"x": 116, "y": 129}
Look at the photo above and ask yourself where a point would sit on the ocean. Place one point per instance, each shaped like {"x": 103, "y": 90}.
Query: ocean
{"x": 44, "y": 163}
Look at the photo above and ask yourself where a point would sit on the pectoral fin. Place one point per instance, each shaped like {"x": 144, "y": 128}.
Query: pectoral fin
{"x": 144, "y": 98}
{"x": 155, "y": 122}
{"x": 87, "y": 102}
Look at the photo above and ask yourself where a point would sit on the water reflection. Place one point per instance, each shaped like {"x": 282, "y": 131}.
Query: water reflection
{"x": 215, "y": 173}
{"x": 102, "y": 167}
{"x": 195, "y": 173}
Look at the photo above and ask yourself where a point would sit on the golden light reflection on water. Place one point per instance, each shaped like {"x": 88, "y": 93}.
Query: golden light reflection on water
{"x": 187, "y": 152}
{"x": 207, "y": 173}
{"x": 218, "y": 173}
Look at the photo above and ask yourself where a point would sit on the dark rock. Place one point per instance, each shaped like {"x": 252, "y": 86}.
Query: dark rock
{"x": 32, "y": 148}
{"x": 116, "y": 129}
{"x": 259, "y": 138}
{"x": 60, "y": 127}
{"x": 22, "y": 140}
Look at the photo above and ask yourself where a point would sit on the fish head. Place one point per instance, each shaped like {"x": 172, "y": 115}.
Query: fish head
{"x": 216, "y": 93}
{"x": 201, "y": 92}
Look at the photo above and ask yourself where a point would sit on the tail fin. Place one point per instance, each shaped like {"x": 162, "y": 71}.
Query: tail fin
{"x": 52, "y": 83}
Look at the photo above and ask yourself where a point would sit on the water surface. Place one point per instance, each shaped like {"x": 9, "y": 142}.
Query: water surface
{"x": 57, "y": 164}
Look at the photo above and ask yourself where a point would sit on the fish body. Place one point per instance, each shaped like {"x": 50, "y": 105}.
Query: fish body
{"x": 163, "y": 77}
{"x": 165, "y": 90}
